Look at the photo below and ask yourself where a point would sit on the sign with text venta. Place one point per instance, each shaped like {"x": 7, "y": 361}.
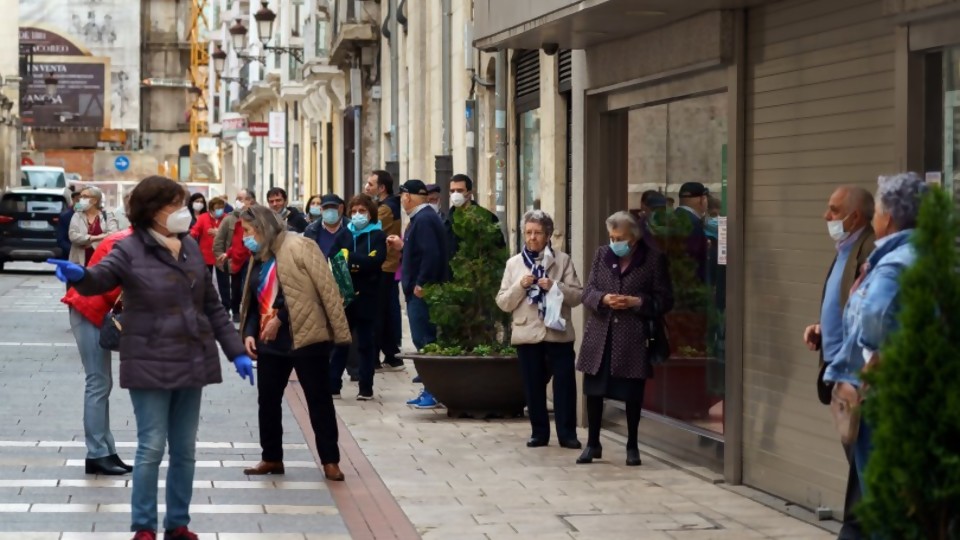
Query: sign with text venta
{"x": 277, "y": 137}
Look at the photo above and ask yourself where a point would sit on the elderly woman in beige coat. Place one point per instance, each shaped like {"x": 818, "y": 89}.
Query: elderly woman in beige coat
{"x": 544, "y": 351}
{"x": 89, "y": 226}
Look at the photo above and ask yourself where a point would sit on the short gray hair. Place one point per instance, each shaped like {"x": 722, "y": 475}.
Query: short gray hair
{"x": 97, "y": 194}
{"x": 900, "y": 196}
{"x": 624, "y": 220}
{"x": 861, "y": 200}
{"x": 268, "y": 225}
{"x": 541, "y": 218}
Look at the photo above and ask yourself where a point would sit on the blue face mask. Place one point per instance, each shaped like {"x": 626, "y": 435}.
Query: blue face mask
{"x": 251, "y": 243}
{"x": 620, "y": 248}
{"x": 218, "y": 213}
{"x": 710, "y": 226}
{"x": 331, "y": 216}
{"x": 315, "y": 211}
{"x": 359, "y": 221}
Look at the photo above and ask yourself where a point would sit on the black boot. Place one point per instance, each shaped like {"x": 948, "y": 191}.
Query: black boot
{"x": 589, "y": 454}
{"x": 119, "y": 462}
{"x": 104, "y": 466}
{"x": 633, "y": 457}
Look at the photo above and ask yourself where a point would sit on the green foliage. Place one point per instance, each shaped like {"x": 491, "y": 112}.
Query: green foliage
{"x": 913, "y": 401}
{"x": 480, "y": 350}
{"x": 671, "y": 231}
{"x": 465, "y": 309}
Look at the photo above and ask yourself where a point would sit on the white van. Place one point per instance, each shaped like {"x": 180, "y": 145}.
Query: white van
{"x": 41, "y": 177}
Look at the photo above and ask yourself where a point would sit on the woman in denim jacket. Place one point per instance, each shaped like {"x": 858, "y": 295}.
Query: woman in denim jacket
{"x": 870, "y": 315}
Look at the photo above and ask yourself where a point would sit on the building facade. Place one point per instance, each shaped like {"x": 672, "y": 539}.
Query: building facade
{"x": 771, "y": 104}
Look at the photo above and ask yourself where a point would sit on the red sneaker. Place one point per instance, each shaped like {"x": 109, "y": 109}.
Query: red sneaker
{"x": 180, "y": 533}
{"x": 145, "y": 535}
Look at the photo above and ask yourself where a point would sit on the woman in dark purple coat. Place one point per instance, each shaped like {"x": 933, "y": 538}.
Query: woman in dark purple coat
{"x": 629, "y": 285}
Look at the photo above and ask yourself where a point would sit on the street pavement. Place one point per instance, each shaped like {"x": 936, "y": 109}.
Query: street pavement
{"x": 454, "y": 479}
{"x": 44, "y": 493}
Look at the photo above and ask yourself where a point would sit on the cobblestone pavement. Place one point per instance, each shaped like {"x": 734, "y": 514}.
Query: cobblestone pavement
{"x": 44, "y": 493}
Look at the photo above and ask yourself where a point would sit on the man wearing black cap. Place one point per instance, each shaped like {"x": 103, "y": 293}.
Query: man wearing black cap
{"x": 329, "y": 227}
{"x": 694, "y": 201}
{"x": 423, "y": 262}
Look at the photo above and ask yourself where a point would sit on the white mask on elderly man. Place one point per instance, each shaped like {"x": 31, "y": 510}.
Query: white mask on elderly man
{"x": 835, "y": 228}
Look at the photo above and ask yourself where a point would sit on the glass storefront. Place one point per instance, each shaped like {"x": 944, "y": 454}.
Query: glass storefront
{"x": 670, "y": 144}
{"x": 529, "y": 161}
{"x": 951, "y": 119}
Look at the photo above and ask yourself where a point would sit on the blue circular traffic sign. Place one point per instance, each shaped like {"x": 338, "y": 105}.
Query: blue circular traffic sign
{"x": 122, "y": 163}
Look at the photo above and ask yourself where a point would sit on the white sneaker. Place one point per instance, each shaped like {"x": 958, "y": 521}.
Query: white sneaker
{"x": 362, "y": 397}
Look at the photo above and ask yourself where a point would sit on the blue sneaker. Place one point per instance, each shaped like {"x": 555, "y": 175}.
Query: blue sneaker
{"x": 417, "y": 379}
{"x": 416, "y": 400}
{"x": 427, "y": 401}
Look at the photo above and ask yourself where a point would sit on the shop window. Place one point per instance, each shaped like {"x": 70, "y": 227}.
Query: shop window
{"x": 951, "y": 119}
{"x": 529, "y": 159}
{"x": 670, "y": 144}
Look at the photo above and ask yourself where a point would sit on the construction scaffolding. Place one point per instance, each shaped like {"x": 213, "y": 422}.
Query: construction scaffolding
{"x": 199, "y": 73}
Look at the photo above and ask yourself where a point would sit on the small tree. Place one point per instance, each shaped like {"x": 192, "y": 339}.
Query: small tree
{"x": 913, "y": 404}
{"x": 464, "y": 308}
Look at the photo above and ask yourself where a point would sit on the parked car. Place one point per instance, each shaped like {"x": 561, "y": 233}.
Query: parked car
{"x": 28, "y": 224}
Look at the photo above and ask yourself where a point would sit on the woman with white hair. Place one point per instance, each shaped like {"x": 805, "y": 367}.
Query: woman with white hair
{"x": 89, "y": 226}
{"x": 543, "y": 350}
{"x": 870, "y": 315}
{"x": 629, "y": 286}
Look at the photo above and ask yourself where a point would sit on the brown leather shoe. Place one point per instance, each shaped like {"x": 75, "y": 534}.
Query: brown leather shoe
{"x": 265, "y": 467}
{"x": 332, "y": 472}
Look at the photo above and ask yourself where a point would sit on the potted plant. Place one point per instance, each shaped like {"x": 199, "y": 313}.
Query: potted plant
{"x": 471, "y": 368}
{"x": 912, "y": 404}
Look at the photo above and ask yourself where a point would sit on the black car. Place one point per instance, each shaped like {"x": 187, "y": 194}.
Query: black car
{"x": 28, "y": 224}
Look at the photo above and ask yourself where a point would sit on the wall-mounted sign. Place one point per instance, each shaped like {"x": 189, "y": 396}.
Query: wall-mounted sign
{"x": 259, "y": 129}
{"x": 277, "y": 136}
{"x": 231, "y": 125}
{"x": 722, "y": 240}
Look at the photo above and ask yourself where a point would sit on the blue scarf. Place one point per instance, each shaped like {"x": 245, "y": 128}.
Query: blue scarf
{"x": 536, "y": 295}
{"x": 368, "y": 229}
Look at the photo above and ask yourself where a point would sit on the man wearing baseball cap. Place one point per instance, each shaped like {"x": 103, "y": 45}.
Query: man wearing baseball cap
{"x": 329, "y": 227}
{"x": 694, "y": 201}
{"x": 423, "y": 262}
{"x": 433, "y": 198}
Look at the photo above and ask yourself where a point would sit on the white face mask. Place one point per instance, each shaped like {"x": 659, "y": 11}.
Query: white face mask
{"x": 198, "y": 206}
{"x": 458, "y": 199}
{"x": 238, "y": 204}
{"x": 436, "y": 207}
{"x": 179, "y": 221}
{"x": 835, "y": 228}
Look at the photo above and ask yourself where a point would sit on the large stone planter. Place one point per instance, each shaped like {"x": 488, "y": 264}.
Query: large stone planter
{"x": 475, "y": 386}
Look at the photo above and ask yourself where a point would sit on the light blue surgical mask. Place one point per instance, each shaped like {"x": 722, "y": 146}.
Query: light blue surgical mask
{"x": 315, "y": 211}
{"x": 359, "y": 221}
{"x": 331, "y": 216}
{"x": 218, "y": 213}
{"x": 251, "y": 243}
{"x": 710, "y": 226}
{"x": 621, "y": 248}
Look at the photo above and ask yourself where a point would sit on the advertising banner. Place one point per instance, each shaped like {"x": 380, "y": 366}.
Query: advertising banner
{"x": 96, "y": 61}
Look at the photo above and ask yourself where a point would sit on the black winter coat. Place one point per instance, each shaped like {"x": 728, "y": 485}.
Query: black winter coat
{"x": 365, "y": 269}
{"x": 172, "y": 318}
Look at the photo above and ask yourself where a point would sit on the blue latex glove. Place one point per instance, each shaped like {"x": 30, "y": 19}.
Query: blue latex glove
{"x": 67, "y": 271}
{"x": 244, "y": 366}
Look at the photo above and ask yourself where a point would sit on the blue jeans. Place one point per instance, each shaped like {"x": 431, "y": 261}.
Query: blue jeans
{"x": 422, "y": 330}
{"x": 164, "y": 417}
{"x": 99, "y": 382}
{"x": 861, "y": 453}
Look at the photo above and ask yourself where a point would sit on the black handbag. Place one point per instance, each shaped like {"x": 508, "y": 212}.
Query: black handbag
{"x": 658, "y": 340}
{"x": 111, "y": 329}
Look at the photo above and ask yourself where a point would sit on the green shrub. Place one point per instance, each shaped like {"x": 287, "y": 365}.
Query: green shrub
{"x": 913, "y": 403}
{"x": 464, "y": 308}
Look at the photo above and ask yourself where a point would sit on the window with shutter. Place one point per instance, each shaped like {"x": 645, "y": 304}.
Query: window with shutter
{"x": 527, "y": 79}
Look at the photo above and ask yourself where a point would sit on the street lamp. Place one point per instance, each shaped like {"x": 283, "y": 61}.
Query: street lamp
{"x": 50, "y": 81}
{"x": 265, "y": 17}
{"x": 238, "y": 35}
{"x": 219, "y": 59}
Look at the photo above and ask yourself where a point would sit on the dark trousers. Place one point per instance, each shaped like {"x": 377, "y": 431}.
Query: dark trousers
{"x": 236, "y": 288}
{"x": 362, "y": 331}
{"x": 537, "y": 363}
{"x": 633, "y": 408}
{"x": 273, "y": 373}
{"x": 422, "y": 330}
{"x": 851, "y": 526}
{"x": 223, "y": 286}
{"x": 388, "y": 324}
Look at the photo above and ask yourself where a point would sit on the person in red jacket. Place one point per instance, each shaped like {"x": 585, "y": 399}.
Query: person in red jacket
{"x": 204, "y": 231}
{"x": 86, "y": 317}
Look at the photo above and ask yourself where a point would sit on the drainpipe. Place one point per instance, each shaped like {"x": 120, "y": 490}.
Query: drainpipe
{"x": 393, "y": 163}
{"x": 501, "y": 127}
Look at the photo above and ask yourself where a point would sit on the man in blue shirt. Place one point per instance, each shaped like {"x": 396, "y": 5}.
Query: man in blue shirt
{"x": 423, "y": 262}
{"x": 330, "y": 226}
{"x": 848, "y": 216}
